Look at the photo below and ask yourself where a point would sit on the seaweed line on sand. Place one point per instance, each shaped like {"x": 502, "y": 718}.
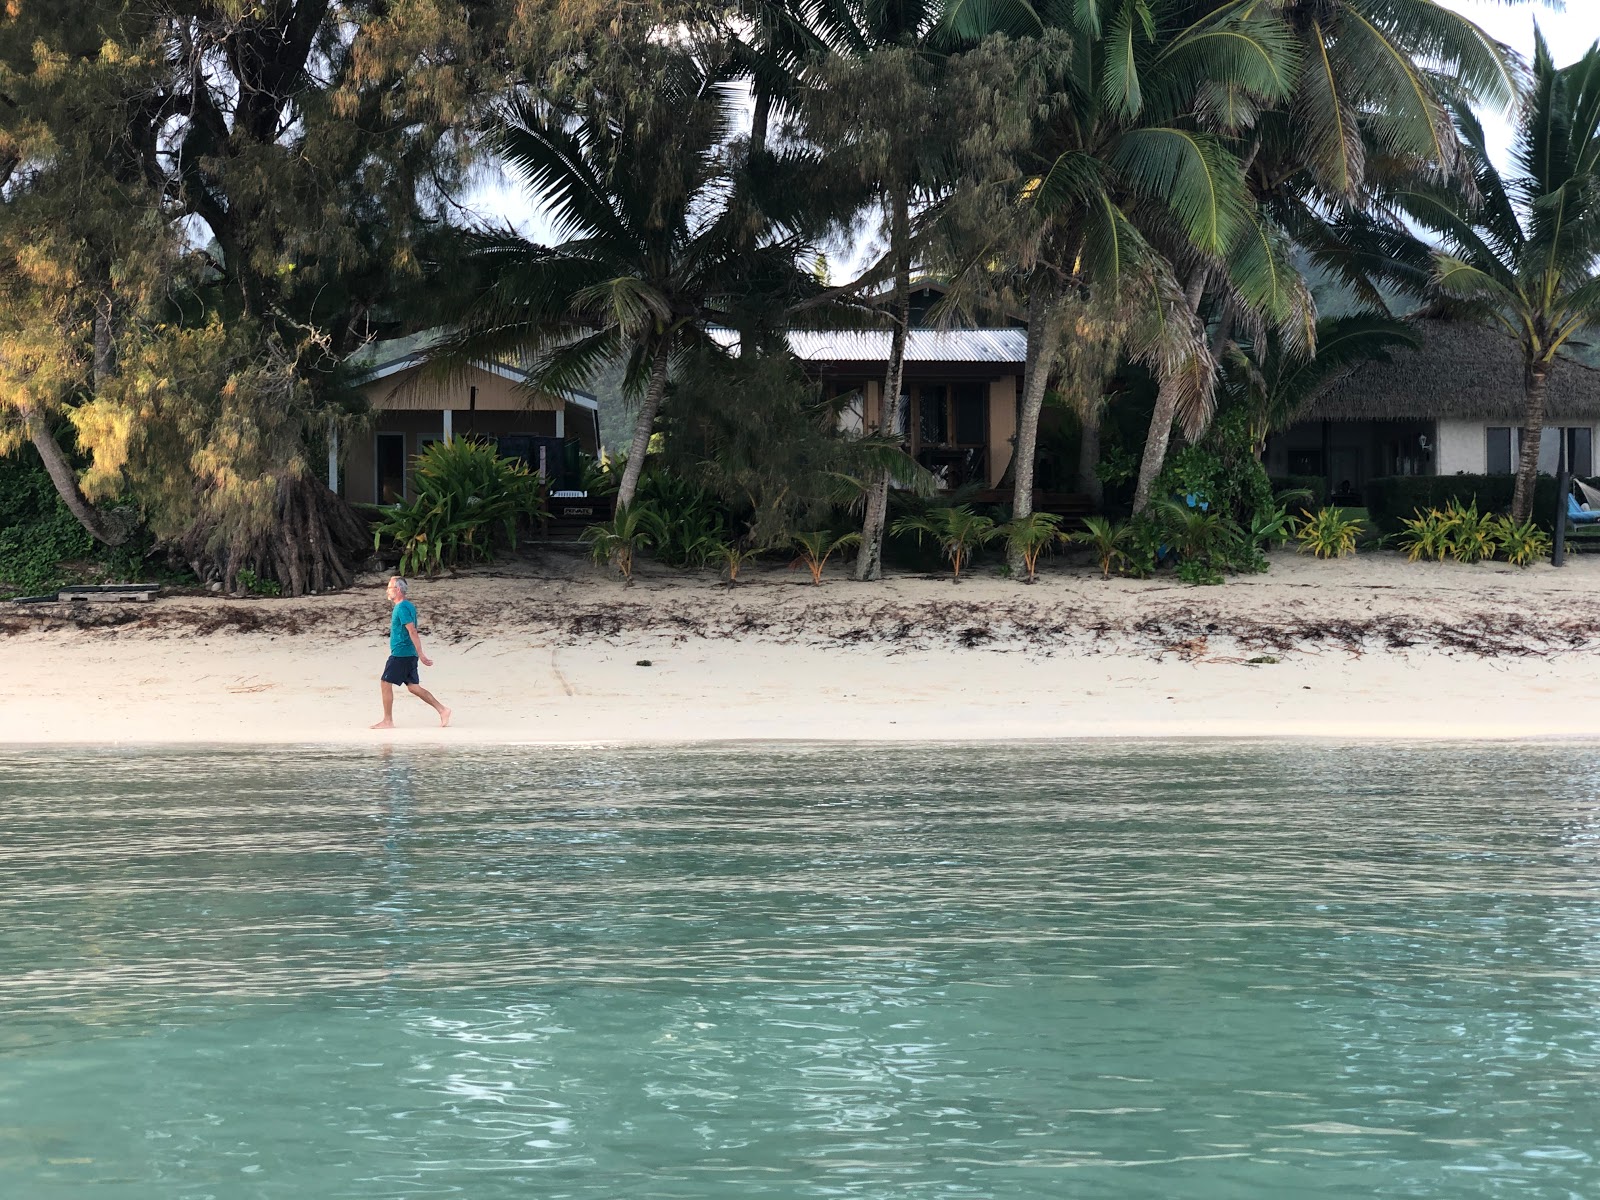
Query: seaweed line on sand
{"x": 889, "y": 625}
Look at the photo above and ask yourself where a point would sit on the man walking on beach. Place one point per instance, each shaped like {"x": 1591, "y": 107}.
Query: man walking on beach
{"x": 405, "y": 648}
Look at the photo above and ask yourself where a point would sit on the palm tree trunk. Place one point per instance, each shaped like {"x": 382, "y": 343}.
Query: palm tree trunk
{"x": 760, "y": 120}
{"x": 1159, "y": 437}
{"x": 103, "y": 529}
{"x": 645, "y": 425}
{"x": 1089, "y": 453}
{"x": 869, "y": 561}
{"x": 1532, "y": 433}
{"x": 1043, "y": 331}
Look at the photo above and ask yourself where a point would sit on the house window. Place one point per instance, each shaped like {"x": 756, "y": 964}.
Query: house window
{"x": 969, "y": 409}
{"x": 1499, "y": 450}
{"x": 1580, "y": 450}
{"x": 933, "y": 417}
{"x": 390, "y": 458}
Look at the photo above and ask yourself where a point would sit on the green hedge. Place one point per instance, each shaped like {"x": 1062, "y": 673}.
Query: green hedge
{"x": 1317, "y": 485}
{"x": 1394, "y": 498}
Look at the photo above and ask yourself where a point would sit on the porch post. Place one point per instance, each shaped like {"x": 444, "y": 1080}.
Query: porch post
{"x": 333, "y": 457}
{"x": 449, "y": 425}
{"x": 561, "y": 421}
{"x": 1558, "y": 549}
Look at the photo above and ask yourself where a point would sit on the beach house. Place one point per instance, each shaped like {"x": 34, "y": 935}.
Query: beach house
{"x": 411, "y": 408}
{"x": 1452, "y": 406}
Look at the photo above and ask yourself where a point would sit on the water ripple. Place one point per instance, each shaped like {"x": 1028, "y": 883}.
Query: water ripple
{"x": 801, "y": 971}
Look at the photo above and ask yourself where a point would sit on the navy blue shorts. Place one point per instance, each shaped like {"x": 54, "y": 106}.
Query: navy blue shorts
{"x": 401, "y": 669}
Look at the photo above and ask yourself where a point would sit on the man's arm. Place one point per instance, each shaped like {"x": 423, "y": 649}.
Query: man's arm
{"x": 416, "y": 640}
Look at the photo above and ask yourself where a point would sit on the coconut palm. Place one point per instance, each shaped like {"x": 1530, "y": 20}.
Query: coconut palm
{"x": 1120, "y": 171}
{"x": 657, "y": 241}
{"x": 1369, "y": 82}
{"x": 1528, "y": 256}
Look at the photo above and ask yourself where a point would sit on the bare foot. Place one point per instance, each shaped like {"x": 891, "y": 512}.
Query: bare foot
{"x": 384, "y": 725}
{"x": 444, "y": 718}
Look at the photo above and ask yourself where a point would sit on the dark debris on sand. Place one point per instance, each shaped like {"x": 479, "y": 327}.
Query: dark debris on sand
{"x": 1021, "y": 625}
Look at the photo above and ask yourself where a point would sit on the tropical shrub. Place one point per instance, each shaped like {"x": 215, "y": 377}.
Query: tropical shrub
{"x": 466, "y": 496}
{"x": 958, "y": 530}
{"x": 1109, "y": 543}
{"x": 1425, "y": 535}
{"x": 1522, "y": 545}
{"x": 1031, "y": 536}
{"x": 634, "y": 527}
{"x": 816, "y": 548}
{"x": 692, "y": 522}
{"x": 1328, "y": 533}
{"x": 1472, "y": 534}
{"x": 1467, "y": 536}
{"x": 1392, "y": 500}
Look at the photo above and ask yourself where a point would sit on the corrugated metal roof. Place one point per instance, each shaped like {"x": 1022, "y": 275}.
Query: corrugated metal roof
{"x": 1006, "y": 346}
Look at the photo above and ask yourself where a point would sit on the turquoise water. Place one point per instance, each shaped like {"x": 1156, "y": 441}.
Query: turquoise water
{"x": 1173, "y": 971}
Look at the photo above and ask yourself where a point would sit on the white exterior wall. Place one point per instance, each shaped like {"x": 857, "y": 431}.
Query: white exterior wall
{"x": 1462, "y": 447}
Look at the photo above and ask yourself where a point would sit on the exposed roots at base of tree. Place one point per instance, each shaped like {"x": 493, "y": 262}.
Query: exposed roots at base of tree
{"x": 315, "y": 543}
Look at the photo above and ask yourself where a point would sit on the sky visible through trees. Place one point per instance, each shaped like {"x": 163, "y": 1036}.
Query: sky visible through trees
{"x": 1569, "y": 31}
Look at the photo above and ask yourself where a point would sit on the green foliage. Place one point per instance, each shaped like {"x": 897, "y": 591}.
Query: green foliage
{"x": 466, "y": 495}
{"x": 634, "y": 527}
{"x": 730, "y": 558}
{"x": 691, "y": 523}
{"x": 1031, "y": 536}
{"x": 256, "y": 586}
{"x": 1215, "y": 507}
{"x": 1391, "y": 500}
{"x": 1327, "y": 533}
{"x": 1109, "y": 542}
{"x": 959, "y": 531}
{"x": 1270, "y": 527}
{"x": 1117, "y": 465}
{"x": 1315, "y": 487}
{"x": 1463, "y": 534}
{"x": 1522, "y": 544}
{"x": 42, "y": 545}
{"x": 817, "y": 547}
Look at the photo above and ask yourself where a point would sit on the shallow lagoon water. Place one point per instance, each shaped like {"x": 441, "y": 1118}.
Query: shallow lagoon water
{"x": 1188, "y": 970}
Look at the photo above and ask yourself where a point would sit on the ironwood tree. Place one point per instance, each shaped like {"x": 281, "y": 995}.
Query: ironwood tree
{"x": 205, "y": 205}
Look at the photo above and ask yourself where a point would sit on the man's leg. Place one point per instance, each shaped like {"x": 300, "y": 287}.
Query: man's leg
{"x": 427, "y": 697}
{"x": 388, "y": 705}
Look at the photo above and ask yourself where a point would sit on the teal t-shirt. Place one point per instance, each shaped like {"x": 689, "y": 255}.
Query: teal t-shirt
{"x": 405, "y": 613}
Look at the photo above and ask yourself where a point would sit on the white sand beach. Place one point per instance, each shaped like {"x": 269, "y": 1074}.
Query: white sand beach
{"x": 549, "y": 651}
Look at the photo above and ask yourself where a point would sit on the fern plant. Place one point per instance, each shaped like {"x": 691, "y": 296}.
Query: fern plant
{"x": 959, "y": 531}
{"x": 815, "y": 549}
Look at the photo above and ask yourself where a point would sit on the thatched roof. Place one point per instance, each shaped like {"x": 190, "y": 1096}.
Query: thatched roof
{"x": 1464, "y": 371}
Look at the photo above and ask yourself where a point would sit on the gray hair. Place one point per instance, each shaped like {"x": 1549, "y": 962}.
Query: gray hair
{"x": 399, "y": 581}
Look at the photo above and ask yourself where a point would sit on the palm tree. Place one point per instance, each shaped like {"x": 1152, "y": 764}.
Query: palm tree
{"x": 1119, "y": 168}
{"x": 1526, "y": 256}
{"x": 658, "y": 240}
{"x": 1273, "y": 380}
{"x": 1368, "y": 83}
